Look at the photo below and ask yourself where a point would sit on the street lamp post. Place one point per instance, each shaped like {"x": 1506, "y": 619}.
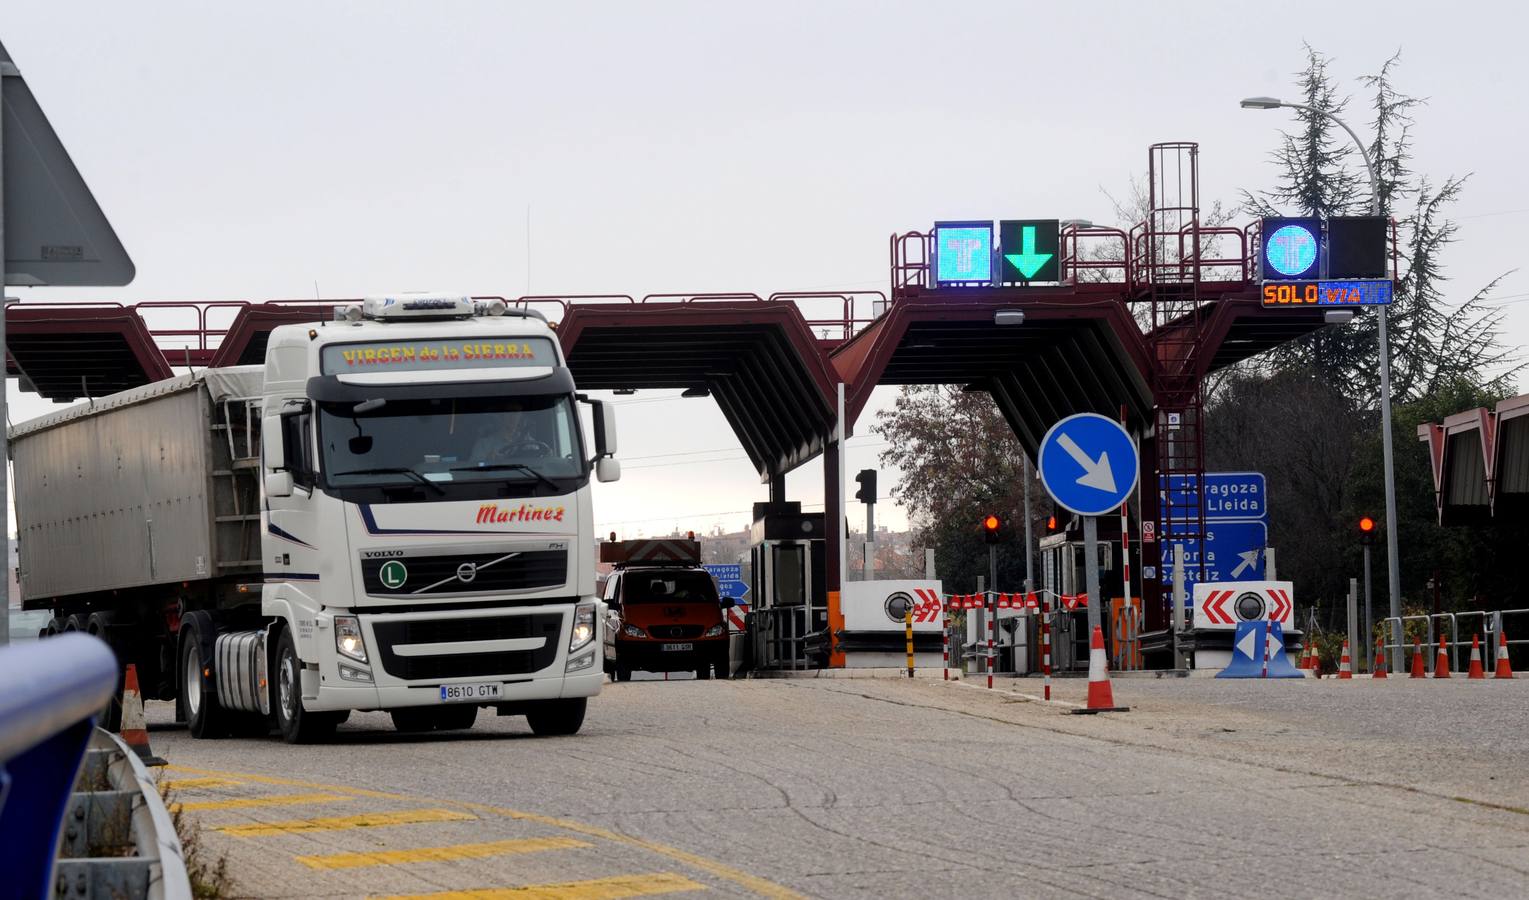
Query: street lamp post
{"x": 1393, "y": 560}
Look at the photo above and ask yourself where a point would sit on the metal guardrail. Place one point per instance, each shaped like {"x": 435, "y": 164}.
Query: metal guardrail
{"x": 119, "y": 840}
{"x": 50, "y": 693}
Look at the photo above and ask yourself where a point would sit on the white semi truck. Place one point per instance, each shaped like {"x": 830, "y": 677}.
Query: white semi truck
{"x": 393, "y": 513}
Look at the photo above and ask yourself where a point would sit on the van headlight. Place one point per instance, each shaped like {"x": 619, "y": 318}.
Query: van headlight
{"x": 347, "y": 638}
{"x": 715, "y": 631}
{"x": 583, "y": 627}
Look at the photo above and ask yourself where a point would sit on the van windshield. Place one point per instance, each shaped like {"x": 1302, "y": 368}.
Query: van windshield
{"x": 449, "y": 440}
{"x": 678, "y": 586}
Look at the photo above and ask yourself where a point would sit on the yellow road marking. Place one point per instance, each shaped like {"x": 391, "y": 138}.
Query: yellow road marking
{"x": 180, "y": 783}
{"x": 289, "y": 782}
{"x": 251, "y": 802}
{"x": 440, "y": 854}
{"x": 340, "y": 823}
{"x": 754, "y": 883}
{"x": 595, "y": 889}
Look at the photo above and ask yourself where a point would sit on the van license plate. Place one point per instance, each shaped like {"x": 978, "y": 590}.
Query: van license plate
{"x": 680, "y": 647}
{"x": 458, "y": 693}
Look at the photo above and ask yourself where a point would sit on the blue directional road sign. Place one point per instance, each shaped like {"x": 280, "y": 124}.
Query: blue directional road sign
{"x": 1234, "y": 551}
{"x": 1088, "y": 464}
{"x": 729, "y": 580}
{"x": 1227, "y": 495}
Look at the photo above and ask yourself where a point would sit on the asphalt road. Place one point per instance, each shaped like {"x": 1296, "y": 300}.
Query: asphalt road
{"x": 885, "y": 788}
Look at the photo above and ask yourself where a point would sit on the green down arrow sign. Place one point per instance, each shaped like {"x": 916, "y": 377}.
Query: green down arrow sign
{"x": 1030, "y": 249}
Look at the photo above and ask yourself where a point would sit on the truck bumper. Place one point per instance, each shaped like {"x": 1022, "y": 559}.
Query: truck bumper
{"x": 411, "y": 655}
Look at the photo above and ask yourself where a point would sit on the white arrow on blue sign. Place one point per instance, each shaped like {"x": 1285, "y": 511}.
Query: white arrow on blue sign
{"x": 729, "y": 579}
{"x": 1234, "y": 551}
{"x": 1088, "y": 464}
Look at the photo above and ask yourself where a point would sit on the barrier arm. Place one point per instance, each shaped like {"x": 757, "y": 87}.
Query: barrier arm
{"x": 50, "y": 692}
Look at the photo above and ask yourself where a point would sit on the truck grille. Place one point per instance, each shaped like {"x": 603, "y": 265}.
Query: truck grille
{"x": 524, "y": 570}
{"x": 494, "y": 628}
{"x": 671, "y": 632}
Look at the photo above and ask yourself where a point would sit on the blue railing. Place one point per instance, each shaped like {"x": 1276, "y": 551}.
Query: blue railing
{"x": 50, "y": 692}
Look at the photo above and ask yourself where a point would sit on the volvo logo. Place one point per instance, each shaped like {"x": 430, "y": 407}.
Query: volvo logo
{"x": 466, "y": 572}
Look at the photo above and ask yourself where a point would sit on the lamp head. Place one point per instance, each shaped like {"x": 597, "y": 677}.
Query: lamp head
{"x": 1261, "y": 103}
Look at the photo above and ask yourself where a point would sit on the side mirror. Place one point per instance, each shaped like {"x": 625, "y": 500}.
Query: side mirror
{"x": 272, "y": 448}
{"x": 278, "y": 484}
{"x": 729, "y": 603}
{"x": 607, "y": 469}
{"x": 605, "y": 429}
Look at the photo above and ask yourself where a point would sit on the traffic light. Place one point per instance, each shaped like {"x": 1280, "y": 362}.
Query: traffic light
{"x": 867, "y": 481}
{"x": 992, "y": 528}
{"x": 1366, "y": 530}
{"x": 1051, "y": 523}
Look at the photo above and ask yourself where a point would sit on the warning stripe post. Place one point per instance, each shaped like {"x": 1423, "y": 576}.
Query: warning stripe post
{"x": 945, "y": 637}
{"x": 1045, "y": 646}
{"x": 908, "y": 635}
{"x": 991, "y": 617}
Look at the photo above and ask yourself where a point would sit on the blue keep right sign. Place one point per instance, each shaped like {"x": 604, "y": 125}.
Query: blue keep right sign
{"x": 1088, "y": 464}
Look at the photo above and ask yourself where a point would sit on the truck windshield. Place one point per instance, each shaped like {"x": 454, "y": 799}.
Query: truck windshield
{"x": 678, "y": 586}
{"x": 448, "y": 441}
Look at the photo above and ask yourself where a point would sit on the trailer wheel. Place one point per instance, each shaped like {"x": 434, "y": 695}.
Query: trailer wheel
{"x": 557, "y": 717}
{"x": 298, "y": 725}
{"x": 111, "y": 713}
{"x": 204, "y": 717}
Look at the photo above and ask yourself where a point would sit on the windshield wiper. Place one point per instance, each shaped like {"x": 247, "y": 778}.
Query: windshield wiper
{"x": 396, "y": 470}
{"x": 500, "y": 467}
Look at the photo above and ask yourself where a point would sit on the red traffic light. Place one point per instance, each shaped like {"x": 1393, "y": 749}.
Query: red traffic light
{"x": 1051, "y": 523}
{"x": 991, "y": 523}
{"x": 1367, "y": 524}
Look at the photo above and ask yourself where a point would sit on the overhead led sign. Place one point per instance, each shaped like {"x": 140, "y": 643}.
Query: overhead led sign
{"x": 1291, "y": 249}
{"x": 963, "y": 253}
{"x": 1328, "y": 293}
{"x": 1029, "y": 250}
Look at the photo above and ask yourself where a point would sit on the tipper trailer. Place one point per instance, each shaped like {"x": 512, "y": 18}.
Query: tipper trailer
{"x": 392, "y": 513}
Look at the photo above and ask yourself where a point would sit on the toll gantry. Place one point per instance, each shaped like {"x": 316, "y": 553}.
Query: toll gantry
{"x": 1051, "y": 318}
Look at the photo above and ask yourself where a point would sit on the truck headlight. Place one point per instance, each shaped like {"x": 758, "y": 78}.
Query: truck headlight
{"x": 634, "y": 631}
{"x": 347, "y": 638}
{"x": 715, "y": 631}
{"x": 583, "y": 627}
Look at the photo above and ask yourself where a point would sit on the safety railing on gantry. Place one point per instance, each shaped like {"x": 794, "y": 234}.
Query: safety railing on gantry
{"x": 190, "y": 332}
{"x": 1095, "y": 254}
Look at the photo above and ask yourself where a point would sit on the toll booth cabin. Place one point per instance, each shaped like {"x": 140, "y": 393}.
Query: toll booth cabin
{"x": 788, "y": 555}
{"x": 1064, "y": 581}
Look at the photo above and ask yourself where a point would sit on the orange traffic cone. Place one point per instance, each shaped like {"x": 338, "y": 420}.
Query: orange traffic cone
{"x": 1308, "y": 657}
{"x": 1417, "y": 660}
{"x": 1475, "y": 670}
{"x": 1441, "y": 663}
{"x": 1380, "y": 660}
{"x": 1345, "y": 667}
{"x": 1100, "y": 697}
{"x": 1504, "y": 667}
{"x": 135, "y": 732}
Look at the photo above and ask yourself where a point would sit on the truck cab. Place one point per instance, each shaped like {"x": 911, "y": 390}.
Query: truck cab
{"x": 663, "y": 612}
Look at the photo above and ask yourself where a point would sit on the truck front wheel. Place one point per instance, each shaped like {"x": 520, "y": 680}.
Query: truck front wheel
{"x": 557, "y": 717}
{"x": 298, "y": 725}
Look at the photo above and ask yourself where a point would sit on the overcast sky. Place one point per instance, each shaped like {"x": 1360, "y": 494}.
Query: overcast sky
{"x": 268, "y": 150}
